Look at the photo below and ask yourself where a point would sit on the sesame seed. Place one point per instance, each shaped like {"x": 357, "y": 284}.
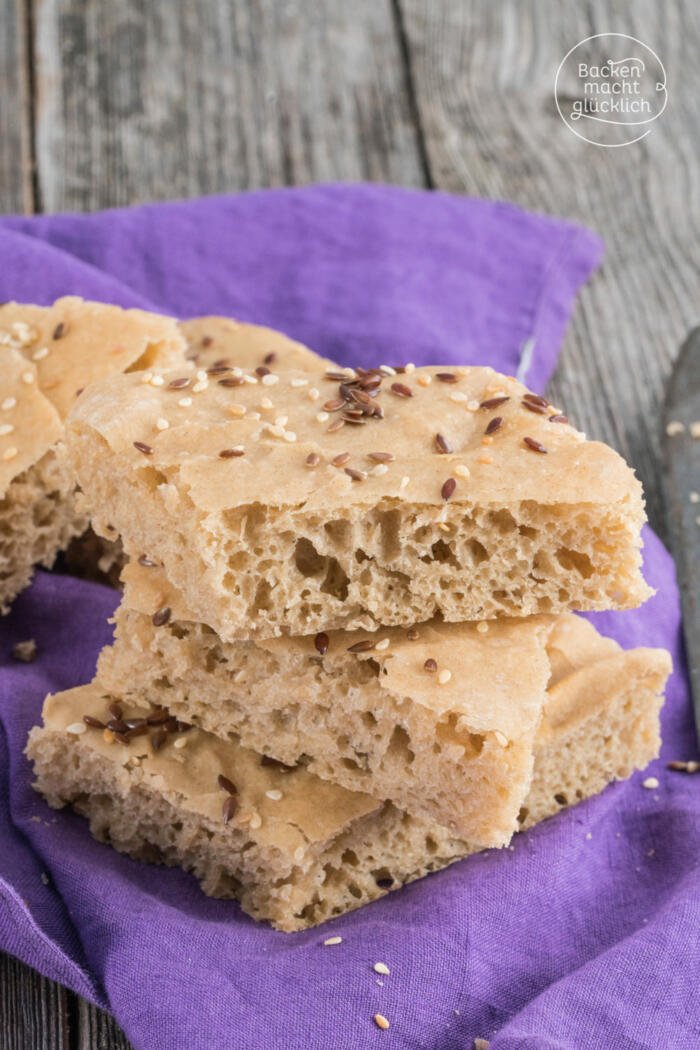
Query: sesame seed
{"x": 458, "y": 397}
{"x": 313, "y": 393}
{"x": 332, "y": 940}
{"x": 694, "y": 497}
{"x": 444, "y": 676}
{"x": 487, "y": 441}
{"x": 651, "y": 783}
{"x": 10, "y": 453}
{"x": 180, "y": 743}
{"x": 290, "y": 436}
{"x": 321, "y": 643}
{"x": 381, "y": 468}
{"x": 695, "y": 429}
{"x": 430, "y": 666}
{"x": 299, "y": 382}
{"x": 231, "y": 453}
{"x": 299, "y": 853}
{"x": 401, "y": 390}
{"x": 250, "y": 379}
{"x": 404, "y": 481}
{"x": 270, "y": 379}
{"x": 266, "y": 404}
{"x": 408, "y": 368}
{"x": 76, "y": 728}
{"x": 674, "y": 427}
{"x": 161, "y": 616}
{"x": 424, "y": 379}
{"x": 108, "y": 736}
{"x": 162, "y": 424}
{"x": 381, "y": 1021}
{"x": 25, "y": 652}
{"x": 143, "y": 447}
{"x": 199, "y": 387}
{"x": 185, "y": 402}
{"x": 501, "y": 738}
{"x": 472, "y": 405}
{"x": 382, "y": 645}
{"x": 322, "y": 417}
{"x": 447, "y": 490}
{"x": 462, "y": 471}
{"x": 236, "y": 410}
{"x": 40, "y": 354}
{"x": 27, "y": 377}
{"x": 275, "y": 795}
{"x": 535, "y": 446}
{"x": 387, "y": 370}
{"x": 256, "y": 821}
{"x": 484, "y": 458}
{"x": 157, "y": 380}
{"x": 381, "y": 967}
{"x": 8, "y": 403}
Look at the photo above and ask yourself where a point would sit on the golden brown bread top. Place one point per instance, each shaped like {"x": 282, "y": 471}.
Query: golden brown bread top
{"x": 211, "y": 340}
{"x": 49, "y": 353}
{"x": 285, "y": 430}
{"x": 74, "y": 342}
{"x": 498, "y": 676}
{"x": 310, "y": 810}
{"x": 29, "y": 424}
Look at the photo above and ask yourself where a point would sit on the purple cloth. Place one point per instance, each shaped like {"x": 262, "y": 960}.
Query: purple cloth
{"x": 583, "y": 934}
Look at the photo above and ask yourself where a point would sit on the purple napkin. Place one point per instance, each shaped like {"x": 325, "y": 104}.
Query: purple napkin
{"x": 583, "y": 933}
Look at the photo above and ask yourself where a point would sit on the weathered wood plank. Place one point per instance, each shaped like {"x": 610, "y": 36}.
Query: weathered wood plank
{"x": 15, "y": 133}
{"x": 483, "y": 77}
{"x": 173, "y": 98}
{"x": 33, "y": 1011}
{"x": 96, "y": 1030}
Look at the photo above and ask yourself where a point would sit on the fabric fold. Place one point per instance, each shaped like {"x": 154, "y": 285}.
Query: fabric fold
{"x": 563, "y": 940}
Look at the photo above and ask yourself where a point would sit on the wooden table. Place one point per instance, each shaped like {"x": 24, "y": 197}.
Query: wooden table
{"x": 114, "y": 102}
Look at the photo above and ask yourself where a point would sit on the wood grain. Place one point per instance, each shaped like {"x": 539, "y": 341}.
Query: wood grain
{"x": 96, "y": 1030}
{"x": 16, "y": 168}
{"x": 483, "y": 77}
{"x": 175, "y": 98}
{"x": 126, "y": 101}
{"x": 33, "y": 1011}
